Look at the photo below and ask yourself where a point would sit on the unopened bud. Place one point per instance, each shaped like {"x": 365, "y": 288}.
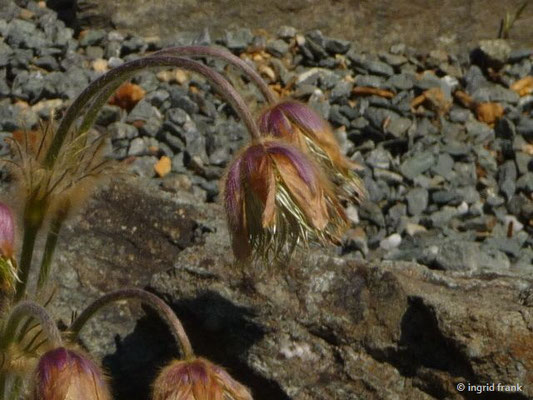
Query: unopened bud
{"x": 7, "y": 232}
{"x": 197, "y": 379}
{"x": 64, "y": 374}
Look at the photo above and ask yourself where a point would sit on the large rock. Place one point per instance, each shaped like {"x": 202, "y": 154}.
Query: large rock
{"x": 318, "y": 327}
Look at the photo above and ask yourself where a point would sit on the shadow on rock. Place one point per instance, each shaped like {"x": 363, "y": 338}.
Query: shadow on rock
{"x": 218, "y": 329}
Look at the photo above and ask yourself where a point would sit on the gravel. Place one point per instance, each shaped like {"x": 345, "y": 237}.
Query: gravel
{"x": 444, "y": 187}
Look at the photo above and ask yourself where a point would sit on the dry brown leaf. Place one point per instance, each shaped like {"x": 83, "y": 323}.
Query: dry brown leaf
{"x": 433, "y": 99}
{"x": 523, "y": 86}
{"x": 163, "y": 166}
{"x": 127, "y": 96}
{"x": 464, "y": 98}
{"x": 489, "y": 113}
{"x": 370, "y": 91}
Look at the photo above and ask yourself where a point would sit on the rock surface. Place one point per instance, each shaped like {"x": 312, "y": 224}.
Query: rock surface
{"x": 319, "y": 327}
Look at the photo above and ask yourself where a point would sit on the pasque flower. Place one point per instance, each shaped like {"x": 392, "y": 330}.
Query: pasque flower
{"x": 64, "y": 374}
{"x": 299, "y": 124}
{"x": 275, "y": 197}
{"x": 197, "y": 379}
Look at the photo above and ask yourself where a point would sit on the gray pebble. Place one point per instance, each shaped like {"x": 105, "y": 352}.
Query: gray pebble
{"x": 379, "y": 158}
{"x": 460, "y": 115}
{"x": 277, "y": 48}
{"x": 370, "y": 81}
{"x": 372, "y": 66}
{"x": 525, "y": 182}
{"x": 142, "y": 111}
{"x": 417, "y": 164}
{"x": 444, "y": 165}
{"x": 151, "y": 127}
{"x": 286, "y": 32}
{"x": 137, "y": 147}
{"x": 524, "y": 162}
{"x": 507, "y": 178}
{"x": 341, "y": 90}
{"x": 238, "y": 40}
{"x": 493, "y": 52}
{"x": 525, "y": 127}
{"x": 417, "y": 201}
{"x": 403, "y": 81}
{"x": 134, "y": 44}
{"x": 370, "y": 211}
{"x": 144, "y": 166}
{"x": 108, "y": 114}
{"x": 495, "y": 93}
{"x": 120, "y": 130}
{"x": 93, "y": 37}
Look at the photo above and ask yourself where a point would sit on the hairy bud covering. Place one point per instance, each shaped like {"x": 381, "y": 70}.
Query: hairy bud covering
{"x": 276, "y": 197}
{"x": 197, "y": 379}
{"x": 299, "y": 124}
{"x": 64, "y": 374}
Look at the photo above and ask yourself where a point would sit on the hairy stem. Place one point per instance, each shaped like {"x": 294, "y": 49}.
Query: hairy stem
{"x": 10, "y": 391}
{"x": 151, "y": 300}
{"x": 26, "y": 255}
{"x": 33, "y": 310}
{"x": 99, "y": 102}
{"x": 122, "y": 72}
{"x": 50, "y": 246}
{"x": 202, "y": 51}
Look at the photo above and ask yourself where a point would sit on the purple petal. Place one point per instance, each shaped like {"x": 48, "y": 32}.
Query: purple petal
{"x": 53, "y": 360}
{"x": 298, "y": 159}
{"x": 303, "y": 116}
{"x": 7, "y": 226}
{"x": 274, "y": 122}
{"x": 252, "y": 158}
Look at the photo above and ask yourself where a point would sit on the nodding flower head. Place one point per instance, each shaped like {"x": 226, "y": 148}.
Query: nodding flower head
{"x": 197, "y": 379}
{"x": 299, "y": 124}
{"x": 276, "y": 197}
{"x": 64, "y": 374}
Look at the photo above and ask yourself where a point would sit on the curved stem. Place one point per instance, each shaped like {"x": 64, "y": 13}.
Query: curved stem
{"x": 164, "y": 311}
{"x": 99, "y": 102}
{"x": 201, "y": 51}
{"x": 34, "y": 310}
{"x": 124, "y": 70}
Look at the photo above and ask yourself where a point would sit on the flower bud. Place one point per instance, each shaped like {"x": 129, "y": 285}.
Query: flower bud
{"x": 64, "y": 374}
{"x": 299, "y": 124}
{"x": 197, "y": 379}
{"x": 7, "y": 232}
{"x": 275, "y": 197}
{"x": 8, "y": 270}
